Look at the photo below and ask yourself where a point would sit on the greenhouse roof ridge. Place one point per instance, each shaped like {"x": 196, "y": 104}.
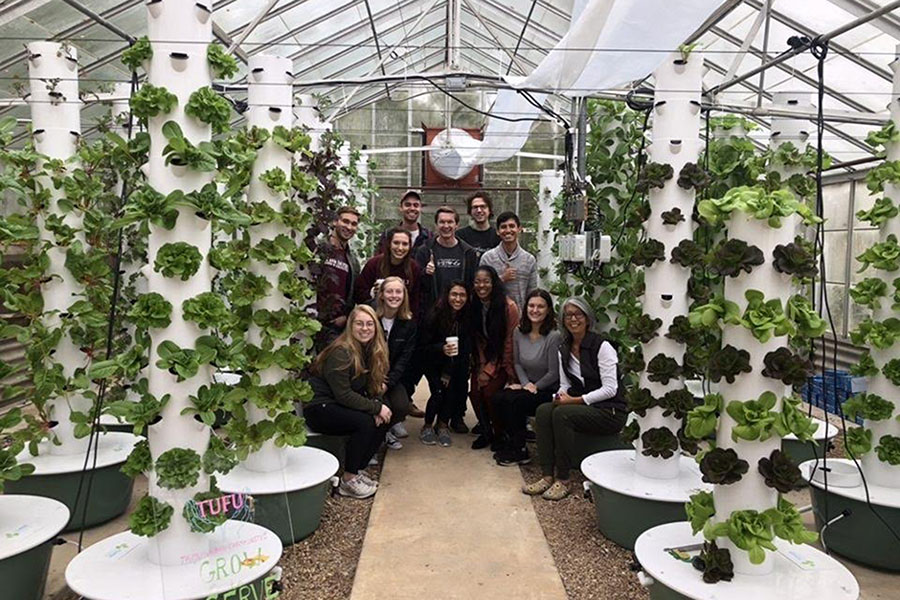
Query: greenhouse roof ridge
{"x": 373, "y": 43}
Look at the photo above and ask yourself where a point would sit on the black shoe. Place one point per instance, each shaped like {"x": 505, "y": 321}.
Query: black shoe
{"x": 480, "y": 442}
{"x": 515, "y": 457}
{"x": 458, "y": 426}
{"x": 478, "y": 429}
{"x": 530, "y": 436}
{"x": 497, "y": 445}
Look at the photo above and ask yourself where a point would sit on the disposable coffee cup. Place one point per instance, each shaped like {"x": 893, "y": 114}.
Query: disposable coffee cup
{"x": 453, "y": 341}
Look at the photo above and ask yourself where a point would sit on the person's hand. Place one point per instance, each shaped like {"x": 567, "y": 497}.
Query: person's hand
{"x": 513, "y": 386}
{"x": 483, "y": 379}
{"x": 373, "y": 293}
{"x": 383, "y": 389}
{"x": 530, "y": 387}
{"x": 565, "y": 398}
{"x": 339, "y": 322}
{"x": 429, "y": 267}
{"x": 385, "y": 414}
{"x": 448, "y": 349}
{"x": 509, "y": 274}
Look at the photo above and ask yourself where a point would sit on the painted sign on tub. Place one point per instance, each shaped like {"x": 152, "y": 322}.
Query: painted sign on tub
{"x": 201, "y": 513}
{"x": 267, "y": 591}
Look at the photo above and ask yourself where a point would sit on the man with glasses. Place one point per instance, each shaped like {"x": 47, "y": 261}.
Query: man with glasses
{"x": 480, "y": 235}
{"x": 334, "y": 285}
{"x": 410, "y": 211}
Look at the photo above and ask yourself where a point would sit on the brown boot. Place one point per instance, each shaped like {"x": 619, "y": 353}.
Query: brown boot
{"x": 415, "y": 412}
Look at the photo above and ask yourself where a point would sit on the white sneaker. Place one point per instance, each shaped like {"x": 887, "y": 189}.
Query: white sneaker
{"x": 373, "y": 462}
{"x": 399, "y": 431}
{"x": 365, "y": 477}
{"x": 392, "y": 442}
{"x": 356, "y": 488}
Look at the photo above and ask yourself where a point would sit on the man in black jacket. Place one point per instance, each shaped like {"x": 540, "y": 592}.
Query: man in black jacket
{"x": 444, "y": 260}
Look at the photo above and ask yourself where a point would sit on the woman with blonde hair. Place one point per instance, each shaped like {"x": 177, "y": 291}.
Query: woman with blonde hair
{"x": 348, "y": 385}
{"x": 392, "y": 307}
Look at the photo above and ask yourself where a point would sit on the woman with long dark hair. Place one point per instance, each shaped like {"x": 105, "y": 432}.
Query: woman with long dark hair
{"x": 395, "y": 260}
{"x": 348, "y": 382}
{"x": 590, "y": 399}
{"x": 536, "y": 362}
{"x": 445, "y": 349}
{"x": 494, "y": 318}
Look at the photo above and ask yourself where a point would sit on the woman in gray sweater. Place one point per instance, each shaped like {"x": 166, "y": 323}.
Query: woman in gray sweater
{"x": 536, "y": 361}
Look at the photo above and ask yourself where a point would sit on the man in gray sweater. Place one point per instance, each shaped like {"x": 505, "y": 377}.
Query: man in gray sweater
{"x": 516, "y": 267}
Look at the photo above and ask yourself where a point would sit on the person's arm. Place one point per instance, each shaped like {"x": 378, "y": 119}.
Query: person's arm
{"x": 551, "y": 377}
{"x": 336, "y": 372}
{"x": 607, "y": 359}
{"x": 564, "y": 383}
{"x": 520, "y": 372}
{"x": 399, "y": 366}
{"x": 512, "y": 321}
{"x": 362, "y": 292}
{"x": 532, "y": 278}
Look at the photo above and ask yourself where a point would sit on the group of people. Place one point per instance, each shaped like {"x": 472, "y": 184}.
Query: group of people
{"x": 462, "y": 308}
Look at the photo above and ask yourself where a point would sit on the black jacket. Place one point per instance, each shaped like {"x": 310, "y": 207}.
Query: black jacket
{"x": 590, "y": 370}
{"x": 429, "y": 287}
{"x": 401, "y": 347}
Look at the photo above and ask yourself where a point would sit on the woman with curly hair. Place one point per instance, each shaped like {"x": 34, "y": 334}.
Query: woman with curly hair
{"x": 348, "y": 385}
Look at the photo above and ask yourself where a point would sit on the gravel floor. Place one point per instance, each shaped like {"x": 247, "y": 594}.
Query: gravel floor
{"x": 322, "y": 566}
{"x": 590, "y": 565}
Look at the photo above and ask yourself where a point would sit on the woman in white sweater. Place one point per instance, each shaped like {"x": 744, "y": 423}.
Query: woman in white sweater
{"x": 591, "y": 399}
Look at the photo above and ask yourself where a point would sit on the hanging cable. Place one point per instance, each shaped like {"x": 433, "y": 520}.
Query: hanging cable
{"x": 110, "y": 331}
{"x": 819, "y": 50}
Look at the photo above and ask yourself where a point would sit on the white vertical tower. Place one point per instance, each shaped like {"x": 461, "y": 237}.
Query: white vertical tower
{"x": 550, "y": 186}
{"x": 56, "y": 121}
{"x": 180, "y": 32}
{"x": 270, "y": 97}
{"x": 877, "y": 471}
{"x": 676, "y": 142}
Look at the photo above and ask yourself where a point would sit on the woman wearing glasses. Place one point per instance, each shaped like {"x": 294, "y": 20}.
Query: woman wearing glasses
{"x": 591, "y": 399}
{"x": 348, "y": 384}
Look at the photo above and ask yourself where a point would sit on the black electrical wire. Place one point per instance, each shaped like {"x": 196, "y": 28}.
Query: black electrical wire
{"x": 110, "y": 329}
{"x": 478, "y": 110}
{"x": 639, "y": 167}
{"x": 819, "y": 50}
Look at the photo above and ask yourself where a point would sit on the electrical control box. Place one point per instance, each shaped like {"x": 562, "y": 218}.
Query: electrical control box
{"x": 591, "y": 248}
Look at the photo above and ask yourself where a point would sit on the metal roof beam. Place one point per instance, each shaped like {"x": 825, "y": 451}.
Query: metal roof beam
{"x": 351, "y": 49}
{"x": 826, "y": 37}
{"x": 521, "y": 35}
{"x": 222, "y": 35}
{"x": 833, "y": 46}
{"x": 512, "y": 57}
{"x": 886, "y": 23}
{"x": 830, "y": 128}
{"x": 535, "y": 26}
{"x": 99, "y": 19}
{"x": 793, "y": 72}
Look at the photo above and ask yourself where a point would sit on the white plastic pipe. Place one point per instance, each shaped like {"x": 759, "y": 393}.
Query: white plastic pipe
{"x": 676, "y": 141}
{"x": 270, "y": 99}
{"x": 56, "y": 119}
{"x": 181, "y": 32}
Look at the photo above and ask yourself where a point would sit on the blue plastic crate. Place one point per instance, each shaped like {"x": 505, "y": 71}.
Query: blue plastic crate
{"x": 828, "y": 391}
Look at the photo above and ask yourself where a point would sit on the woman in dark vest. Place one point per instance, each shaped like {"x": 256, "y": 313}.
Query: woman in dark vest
{"x": 591, "y": 399}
